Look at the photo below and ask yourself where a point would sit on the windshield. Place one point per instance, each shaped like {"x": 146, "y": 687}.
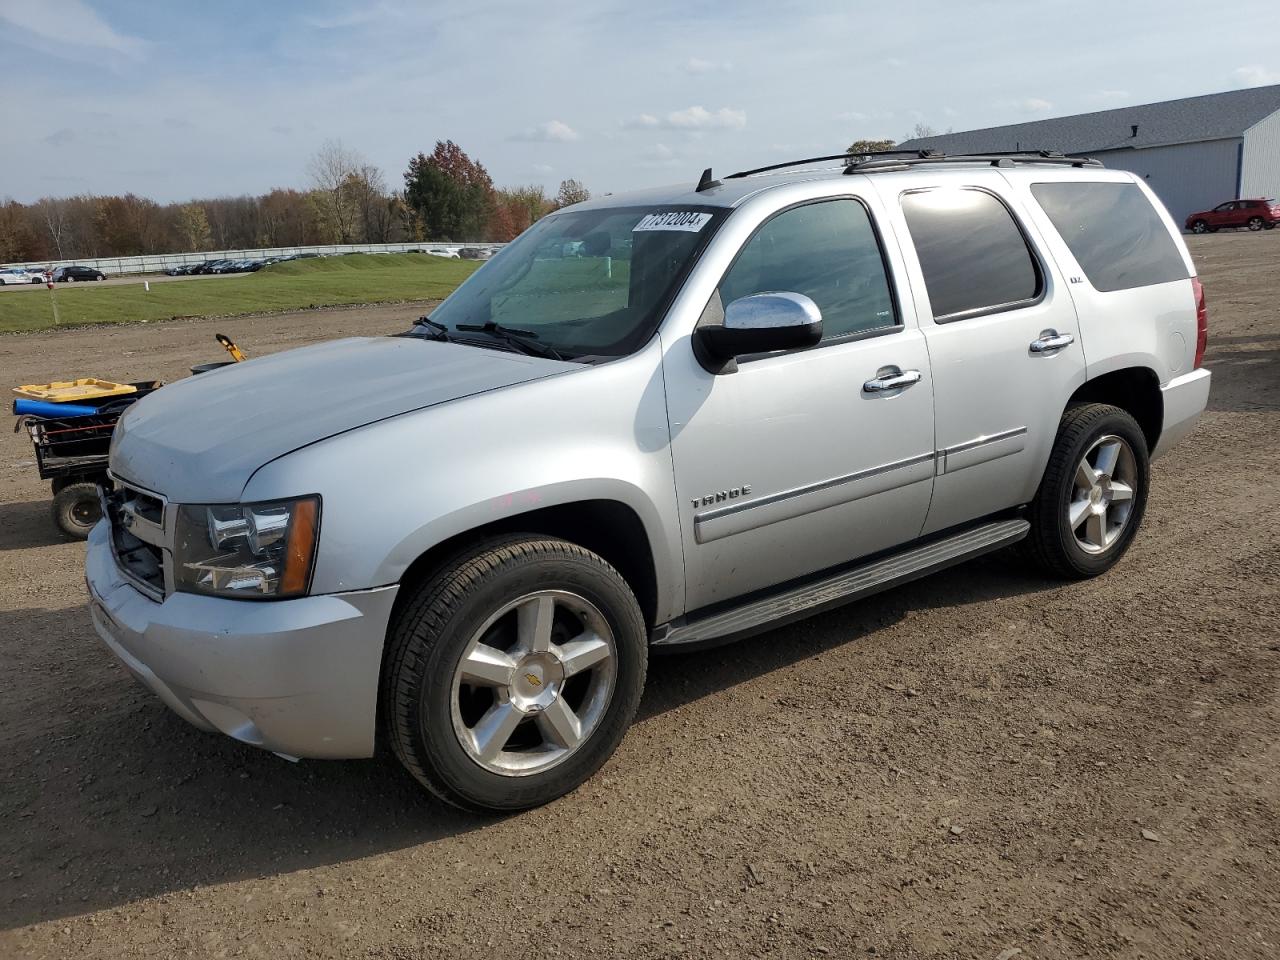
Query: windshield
{"x": 591, "y": 282}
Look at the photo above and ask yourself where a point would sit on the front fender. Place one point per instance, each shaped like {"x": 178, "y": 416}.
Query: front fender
{"x": 394, "y": 489}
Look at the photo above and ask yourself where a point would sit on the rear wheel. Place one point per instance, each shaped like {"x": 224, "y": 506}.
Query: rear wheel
{"x": 76, "y": 509}
{"x": 1255, "y": 223}
{"x": 513, "y": 673}
{"x": 1093, "y": 494}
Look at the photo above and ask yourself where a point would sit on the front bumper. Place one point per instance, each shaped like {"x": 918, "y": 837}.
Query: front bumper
{"x": 1184, "y": 399}
{"x": 298, "y": 677}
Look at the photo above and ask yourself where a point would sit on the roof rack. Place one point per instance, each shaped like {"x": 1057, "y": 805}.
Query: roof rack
{"x": 885, "y": 160}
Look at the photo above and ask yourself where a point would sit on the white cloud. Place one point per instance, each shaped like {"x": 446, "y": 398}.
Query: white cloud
{"x": 693, "y": 119}
{"x": 553, "y": 131}
{"x": 67, "y": 22}
{"x": 698, "y": 66}
{"x": 659, "y": 155}
{"x": 854, "y": 115}
{"x": 1034, "y": 105}
{"x": 1112, "y": 95}
{"x": 1255, "y": 75}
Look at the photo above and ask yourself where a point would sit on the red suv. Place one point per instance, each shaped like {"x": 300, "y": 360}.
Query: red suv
{"x": 1254, "y": 214}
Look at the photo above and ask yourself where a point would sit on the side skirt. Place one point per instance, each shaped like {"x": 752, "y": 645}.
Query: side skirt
{"x": 794, "y": 602}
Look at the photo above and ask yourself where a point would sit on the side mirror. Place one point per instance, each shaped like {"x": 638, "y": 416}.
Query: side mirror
{"x": 760, "y": 323}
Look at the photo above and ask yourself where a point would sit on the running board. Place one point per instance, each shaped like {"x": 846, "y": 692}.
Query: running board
{"x": 801, "y": 601}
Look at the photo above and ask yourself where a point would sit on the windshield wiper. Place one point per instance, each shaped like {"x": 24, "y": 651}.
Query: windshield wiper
{"x": 438, "y": 330}
{"x": 522, "y": 340}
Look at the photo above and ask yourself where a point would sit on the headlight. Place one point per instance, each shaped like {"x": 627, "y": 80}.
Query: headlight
{"x": 254, "y": 550}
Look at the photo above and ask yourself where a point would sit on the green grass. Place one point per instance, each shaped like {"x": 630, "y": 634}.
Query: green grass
{"x": 296, "y": 285}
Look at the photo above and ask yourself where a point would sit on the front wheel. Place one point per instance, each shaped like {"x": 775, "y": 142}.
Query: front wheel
{"x": 1200, "y": 227}
{"x": 1093, "y": 494}
{"x": 512, "y": 674}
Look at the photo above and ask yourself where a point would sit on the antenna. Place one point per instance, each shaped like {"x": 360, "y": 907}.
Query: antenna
{"x": 706, "y": 182}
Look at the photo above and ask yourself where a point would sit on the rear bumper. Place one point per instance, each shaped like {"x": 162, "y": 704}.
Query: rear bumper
{"x": 1184, "y": 399}
{"x": 298, "y": 677}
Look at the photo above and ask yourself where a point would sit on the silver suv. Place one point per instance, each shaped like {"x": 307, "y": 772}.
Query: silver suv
{"x": 655, "y": 420}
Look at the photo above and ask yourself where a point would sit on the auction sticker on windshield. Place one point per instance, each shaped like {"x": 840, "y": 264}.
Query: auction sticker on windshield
{"x": 675, "y": 220}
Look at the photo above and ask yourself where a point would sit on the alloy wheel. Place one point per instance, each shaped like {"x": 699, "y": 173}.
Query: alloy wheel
{"x": 534, "y": 683}
{"x": 1103, "y": 494}
{"x": 1255, "y": 223}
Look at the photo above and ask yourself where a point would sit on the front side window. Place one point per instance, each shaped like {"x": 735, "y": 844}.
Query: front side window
{"x": 973, "y": 255}
{"x": 586, "y": 282}
{"x": 827, "y": 251}
{"x": 1113, "y": 232}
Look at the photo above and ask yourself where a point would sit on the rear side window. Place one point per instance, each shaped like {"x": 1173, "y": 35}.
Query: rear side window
{"x": 1114, "y": 233}
{"x": 973, "y": 255}
{"x": 829, "y": 252}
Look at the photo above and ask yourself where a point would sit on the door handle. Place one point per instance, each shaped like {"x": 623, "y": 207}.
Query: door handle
{"x": 892, "y": 381}
{"x": 1051, "y": 340}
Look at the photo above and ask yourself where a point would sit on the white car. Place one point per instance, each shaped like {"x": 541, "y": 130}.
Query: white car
{"x": 15, "y": 275}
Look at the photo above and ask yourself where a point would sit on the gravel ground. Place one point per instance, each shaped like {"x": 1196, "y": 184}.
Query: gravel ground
{"x": 974, "y": 765}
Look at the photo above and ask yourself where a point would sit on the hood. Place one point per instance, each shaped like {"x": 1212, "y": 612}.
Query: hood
{"x": 200, "y": 440}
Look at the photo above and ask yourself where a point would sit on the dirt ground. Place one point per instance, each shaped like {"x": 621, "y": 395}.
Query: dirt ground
{"x": 977, "y": 764}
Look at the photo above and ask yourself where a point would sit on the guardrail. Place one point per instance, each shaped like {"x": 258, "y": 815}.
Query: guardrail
{"x": 160, "y": 262}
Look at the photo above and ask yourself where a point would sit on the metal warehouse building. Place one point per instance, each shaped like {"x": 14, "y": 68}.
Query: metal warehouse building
{"x": 1194, "y": 153}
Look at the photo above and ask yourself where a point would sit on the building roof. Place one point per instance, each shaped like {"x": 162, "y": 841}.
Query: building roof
{"x": 1215, "y": 116}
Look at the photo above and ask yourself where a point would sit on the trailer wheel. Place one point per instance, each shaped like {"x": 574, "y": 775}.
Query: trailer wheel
{"x": 76, "y": 508}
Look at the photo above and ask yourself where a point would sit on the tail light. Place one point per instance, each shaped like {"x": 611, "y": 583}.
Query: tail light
{"x": 1202, "y": 321}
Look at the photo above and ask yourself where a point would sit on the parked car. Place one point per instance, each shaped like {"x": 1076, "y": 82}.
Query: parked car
{"x": 13, "y": 276}
{"x": 807, "y": 387}
{"x": 74, "y": 274}
{"x": 1254, "y": 214}
{"x": 446, "y": 252}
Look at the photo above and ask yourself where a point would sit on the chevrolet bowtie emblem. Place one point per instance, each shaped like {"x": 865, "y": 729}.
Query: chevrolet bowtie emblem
{"x": 534, "y": 679}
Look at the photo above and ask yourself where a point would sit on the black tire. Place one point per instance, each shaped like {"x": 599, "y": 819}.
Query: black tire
{"x": 427, "y": 640}
{"x": 1200, "y": 227}
{"x": 76, "y": 508}
{"x": 1052, "y": 542}
{"x": 1255, "y": 223}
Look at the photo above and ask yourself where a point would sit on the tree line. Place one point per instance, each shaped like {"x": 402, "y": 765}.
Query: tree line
{"x": 447, "y": 196}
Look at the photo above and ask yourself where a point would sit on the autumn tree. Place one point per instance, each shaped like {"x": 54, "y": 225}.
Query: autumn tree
{"x": 129, "y": 225}
{"x": 18, "y": 241}
{"x": 515, "y": 209}
{"x": 859, "y": 149}
{"x": 451, "y": 193}
{"x": 192, "y": 227}
{"x": 285, "y": 219}
{"x": 333, "y": 170}
{"x": 571, "y": 192}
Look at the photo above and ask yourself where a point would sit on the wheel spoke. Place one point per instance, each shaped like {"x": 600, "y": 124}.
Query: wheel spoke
{"x": 1077, "y": 513}
{"x": 493, "y": 731}
{"x": 1120, "y": 492}
{"x": 487, "y": 666}
{"x": 1086, "y": 477}
{"x": 582, "y": 653}
{"x": 1108, "y": 454}
{"x": 533, "y": 624}
{"x": 1095, "y": 529}
{"x": 560, "y": 724}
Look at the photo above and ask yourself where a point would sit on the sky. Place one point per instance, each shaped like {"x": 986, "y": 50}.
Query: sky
{"x": 181, "y": 99}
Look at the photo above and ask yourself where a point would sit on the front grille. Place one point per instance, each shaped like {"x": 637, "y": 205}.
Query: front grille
{"x": 138, "y": 536}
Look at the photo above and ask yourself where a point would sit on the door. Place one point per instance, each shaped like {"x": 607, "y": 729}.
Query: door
{"x": 1223, "y": 215}
{"x": 1003, "y": 342}
{"x": 791, "y": 464}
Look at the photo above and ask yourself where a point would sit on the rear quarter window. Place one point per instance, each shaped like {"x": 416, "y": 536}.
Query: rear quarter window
{"x": 1114, "y": 233}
